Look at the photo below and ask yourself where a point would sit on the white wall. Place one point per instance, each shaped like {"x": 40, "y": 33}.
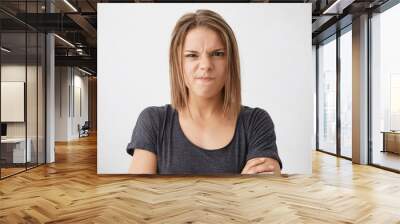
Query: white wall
{"x": 18, "y": 73}
{"x": 61, "y": 103}
{"x": 33, "y": 127}
{"x": 68, "y": 80}
{"x": 80, "y": 83}
{"x": 275, "y": 52}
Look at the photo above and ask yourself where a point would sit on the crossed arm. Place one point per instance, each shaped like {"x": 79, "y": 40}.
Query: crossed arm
{"x": 261, "y": 165}
{"x": 145, "y": 162}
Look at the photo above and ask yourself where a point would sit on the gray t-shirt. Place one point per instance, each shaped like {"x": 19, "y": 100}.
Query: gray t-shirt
{"x": 158, "y": 130}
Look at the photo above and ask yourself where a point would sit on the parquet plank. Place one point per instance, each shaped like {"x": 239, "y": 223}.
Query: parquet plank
{"x": 70, "y": 191}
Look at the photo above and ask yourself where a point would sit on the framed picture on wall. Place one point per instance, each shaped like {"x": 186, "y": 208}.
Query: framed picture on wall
{"x": 12, "y": 101}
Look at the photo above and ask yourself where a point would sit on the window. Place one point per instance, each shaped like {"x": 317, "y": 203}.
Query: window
{"x": 385, "y": 88}
{"x": 327, "y": 96}
{"x": 346, "y": 94}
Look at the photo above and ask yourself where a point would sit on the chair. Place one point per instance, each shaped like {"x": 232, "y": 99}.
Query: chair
{"x": 84, "y": 130}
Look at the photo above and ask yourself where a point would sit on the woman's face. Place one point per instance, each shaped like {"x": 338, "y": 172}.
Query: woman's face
{"x": 204, "y": 62}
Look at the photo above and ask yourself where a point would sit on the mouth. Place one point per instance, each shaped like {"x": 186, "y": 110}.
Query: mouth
{"x": 205, "y": 80}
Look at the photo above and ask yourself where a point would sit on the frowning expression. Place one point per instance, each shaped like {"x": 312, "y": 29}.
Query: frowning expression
{"x": 204, "y": 62}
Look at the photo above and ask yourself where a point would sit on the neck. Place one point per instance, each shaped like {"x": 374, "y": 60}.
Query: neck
{"x": 204, "y": 108}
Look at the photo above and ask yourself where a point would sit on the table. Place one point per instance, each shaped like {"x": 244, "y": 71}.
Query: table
{"x": 16, "y": 147}
{"x": 391, "y": 141}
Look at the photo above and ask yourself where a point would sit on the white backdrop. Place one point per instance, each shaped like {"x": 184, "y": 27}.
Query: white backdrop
{"x": 275, "y": 52}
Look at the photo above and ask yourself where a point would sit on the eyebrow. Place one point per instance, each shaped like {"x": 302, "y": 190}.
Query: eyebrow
{"x": 193, "y": 51}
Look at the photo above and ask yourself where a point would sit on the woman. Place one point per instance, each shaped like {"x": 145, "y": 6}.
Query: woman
{"x": 205, "y": 130}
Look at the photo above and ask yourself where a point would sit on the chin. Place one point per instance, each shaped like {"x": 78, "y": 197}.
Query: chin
{"x": 205, "y": 94}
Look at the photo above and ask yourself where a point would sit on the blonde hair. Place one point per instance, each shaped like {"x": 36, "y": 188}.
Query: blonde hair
{"x": 209, "y": 19}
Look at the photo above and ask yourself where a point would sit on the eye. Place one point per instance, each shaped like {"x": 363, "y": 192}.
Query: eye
{"x": 218, "y": 53}
{"x": 190, "y": 55}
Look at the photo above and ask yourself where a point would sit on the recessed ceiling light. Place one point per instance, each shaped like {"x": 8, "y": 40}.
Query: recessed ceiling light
{"x": 86, "y": 72}
{"x": 337, "y": 7}
{"x": 64, "y": 40}
{"x": 5, "y": 50}
{"x": 70, "y": 5}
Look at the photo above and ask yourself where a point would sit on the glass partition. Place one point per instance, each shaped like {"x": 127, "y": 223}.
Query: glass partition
{"x": 327, "y": 96}
{"x": 41, "y": 85}
{"x": 33, "y": 72}
{"x": 13, "y": 110}
{"x": 32, "y": 95}
{"x": 22, "y": 63}
{"x": 346, "y": 93}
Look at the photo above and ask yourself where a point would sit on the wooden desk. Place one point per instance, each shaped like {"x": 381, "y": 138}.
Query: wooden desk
{"x": 391, "y": 141}
{"x": 13, "y": 150}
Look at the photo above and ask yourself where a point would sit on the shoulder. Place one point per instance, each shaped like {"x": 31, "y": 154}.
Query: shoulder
{"x": 254, "y": 113}
{"x": 156, "y": 111}
{"x": 155, "y": 114}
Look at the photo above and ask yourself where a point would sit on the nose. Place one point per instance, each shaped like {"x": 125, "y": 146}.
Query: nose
{"x": 205, "y": 63}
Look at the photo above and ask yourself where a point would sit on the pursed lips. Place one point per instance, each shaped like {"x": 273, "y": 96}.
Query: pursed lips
{"x": 205, "y": 78}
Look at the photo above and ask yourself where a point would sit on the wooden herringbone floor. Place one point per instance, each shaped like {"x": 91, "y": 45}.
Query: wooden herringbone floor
{"x": 70, "y": 191}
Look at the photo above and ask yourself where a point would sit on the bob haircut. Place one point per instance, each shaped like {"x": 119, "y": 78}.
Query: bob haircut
{"x": 231, "y": 90}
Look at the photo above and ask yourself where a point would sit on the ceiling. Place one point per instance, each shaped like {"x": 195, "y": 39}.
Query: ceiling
{"x": 76, "y": 22}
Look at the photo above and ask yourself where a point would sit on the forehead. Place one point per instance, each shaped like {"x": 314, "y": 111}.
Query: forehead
{"x": 201, "y": 37}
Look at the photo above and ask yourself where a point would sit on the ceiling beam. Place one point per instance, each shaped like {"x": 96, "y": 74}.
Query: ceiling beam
{"x": 85, "y": 61}
{"x": 86, "y": 26}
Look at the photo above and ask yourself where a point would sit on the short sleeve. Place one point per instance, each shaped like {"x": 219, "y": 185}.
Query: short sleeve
{"x": 261, "y": 137}
{"x": 144, "y": 135}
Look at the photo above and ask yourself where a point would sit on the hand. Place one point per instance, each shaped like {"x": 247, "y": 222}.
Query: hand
{"x": 262, "y": 165}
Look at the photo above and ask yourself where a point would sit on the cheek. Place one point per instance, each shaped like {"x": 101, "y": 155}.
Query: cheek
{"x": 188, "y": 73}
{"x": 189, "y": 68}
{"x": 187, "y": 80}
{"x": 222, "y": 71}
